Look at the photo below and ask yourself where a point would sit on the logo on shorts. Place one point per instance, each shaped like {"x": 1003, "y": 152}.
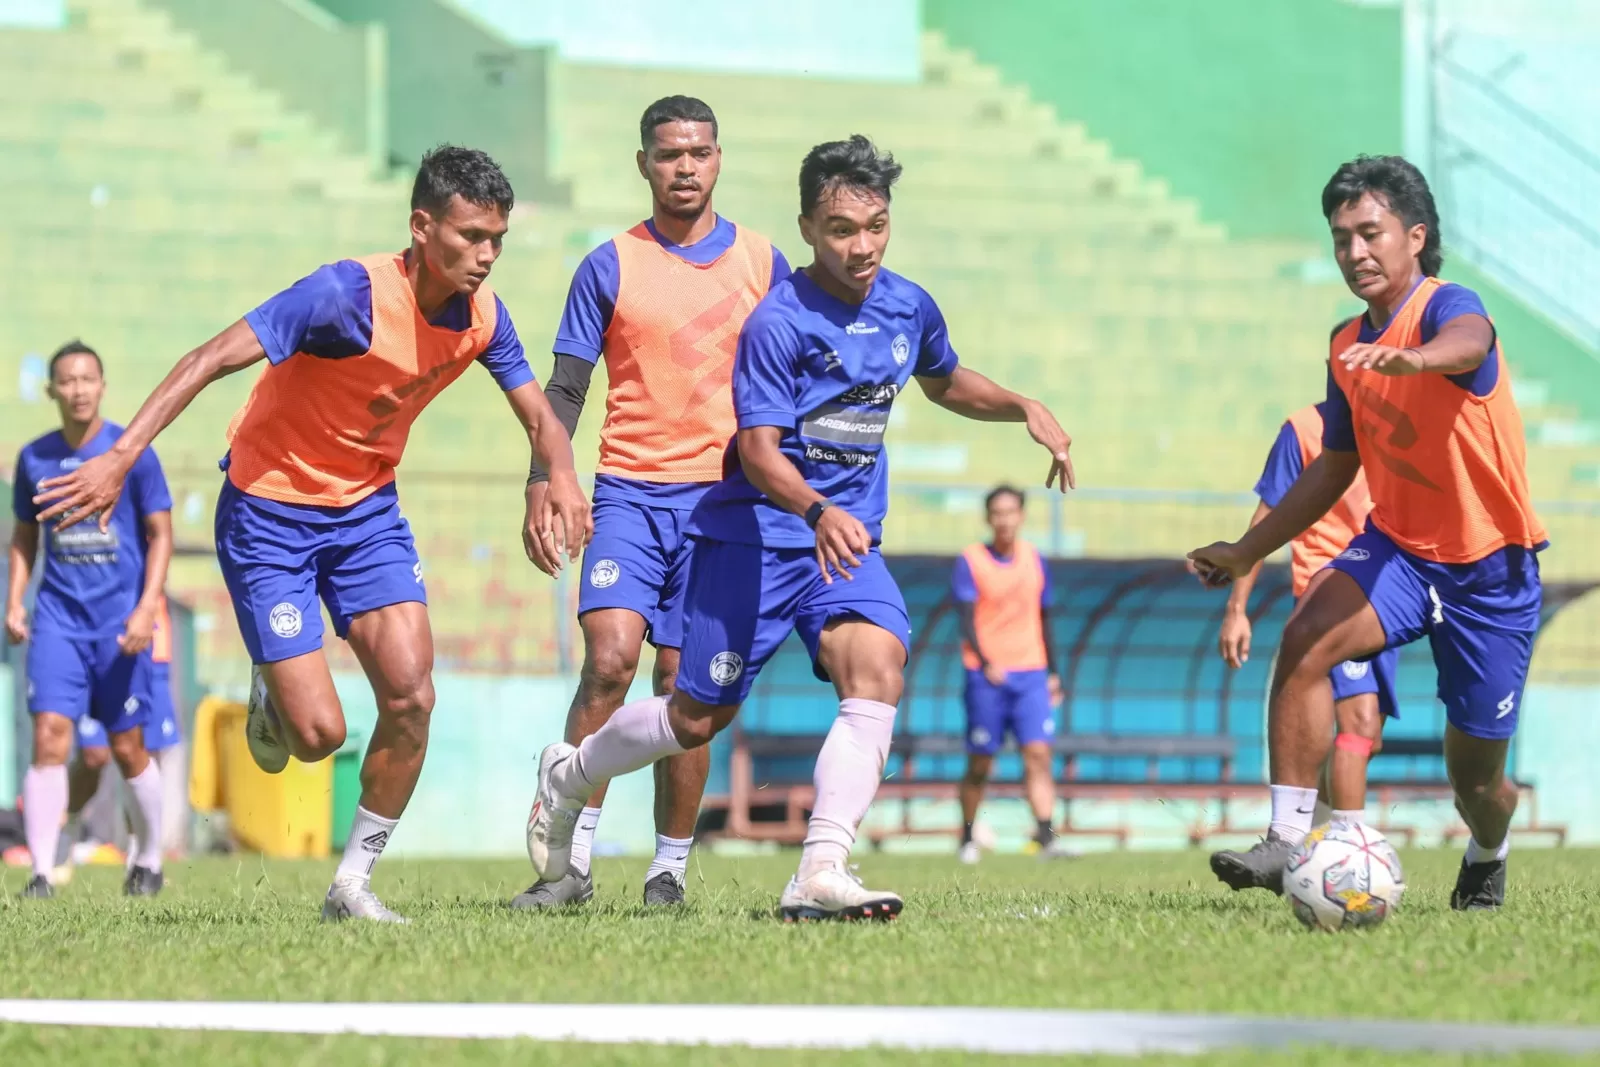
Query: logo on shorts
{"x": 604, "y": 573}
{"x": 1050, "y": 726}
{"x": 284, "y": 619}
{"x": 130, "y": 705}
{"x": 978, "y": 737}
{"x": 1355, "y": 555}
{"x": 1508, "y": 705}
{"x": 900, "y": 348}
{"x": 1355, "y": 671}
{"x": 726, "y": 667}
{"x": 416, "y": 572}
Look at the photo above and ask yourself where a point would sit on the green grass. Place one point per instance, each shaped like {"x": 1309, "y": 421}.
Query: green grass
{"x": 1118, "y": 931}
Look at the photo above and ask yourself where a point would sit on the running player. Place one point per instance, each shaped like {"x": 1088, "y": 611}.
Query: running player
{"x": 1002, "y": 593}
{"x": 309, "y": 508}
{"x": 1363, "y": 691}
{"x": 96, "y": 609}
{"x": 1419, "y": 398}
{"x": 788, "y": 540}
{"x": 663, "y": 303}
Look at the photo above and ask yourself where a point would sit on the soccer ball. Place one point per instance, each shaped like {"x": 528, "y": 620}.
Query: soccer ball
{"x": 1343, "y": 876}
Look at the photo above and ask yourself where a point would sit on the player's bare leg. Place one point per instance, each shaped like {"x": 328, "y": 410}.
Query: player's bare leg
{"x": 1360, "y": 737}
{"x": 1332, "y": 623}
{"x": 973, "y": 784}
{"x": 1039, "y": 784}
{"x": 44, "y": 797}
{"x": 1487, "y": 800}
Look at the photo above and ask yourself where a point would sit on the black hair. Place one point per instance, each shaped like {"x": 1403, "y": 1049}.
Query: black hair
{"x": 75, "y": 347}
{"x": 1400, "y": 185}
{"x": 1003, "y": 490}
{"x": 450, "y": 170}
{"x": 855, "y": 164}
{"x": 674, "y": 109}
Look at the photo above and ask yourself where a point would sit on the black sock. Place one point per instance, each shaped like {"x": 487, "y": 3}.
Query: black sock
{"x": 1045, "y": 833}
{"x": 966, "y": 833}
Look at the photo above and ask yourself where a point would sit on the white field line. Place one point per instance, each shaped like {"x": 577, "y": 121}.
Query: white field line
{"x": 805, "y": 1026}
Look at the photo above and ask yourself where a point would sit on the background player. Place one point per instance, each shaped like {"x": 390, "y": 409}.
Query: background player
{"x": 788, "y": 541}
{"x": 1450, "y": 547}
{"x": 668, "y": 335}
{"x": 1002, "y": 593}
{"x": 309, "y": 508}
{"x": 94, "y": 614}
{"x": 1363, "y": 691}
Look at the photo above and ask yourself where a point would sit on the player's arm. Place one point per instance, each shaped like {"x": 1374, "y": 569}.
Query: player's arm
{"x": 562, "y": 523}
{"x": 95, "y": 486}
{"x": 1317, "y": 490}
{"x": 842, "y": 541}
{"x": 23, "y": 552}
{"x": 971, "y": 395}
{"x": 964, "y": 591}
{"x": 140, "y": 628}
{"x": 1234, "y": 640}
{"x": 566, "y": 391}
{"x": 1461, "y": 345}
{"x": 580, "y": 340}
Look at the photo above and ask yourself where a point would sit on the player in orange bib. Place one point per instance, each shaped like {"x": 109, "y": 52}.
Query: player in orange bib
{"x": 663, "y": 304}
{"x": 1420, "y": 400}
{"x": 309, "y": 511}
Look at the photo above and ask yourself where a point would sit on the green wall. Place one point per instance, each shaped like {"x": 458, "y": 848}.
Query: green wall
{"x": 1244, "y": 105}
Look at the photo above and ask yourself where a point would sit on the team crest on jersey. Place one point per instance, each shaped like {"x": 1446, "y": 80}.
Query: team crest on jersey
{"x": 604, "y": 573}
{"x": 1355, "y": 555}
{"x": 285, "y": 620}
{"x": 726, "y": 667}
{"x": 900, "y": 348}
{"x": 1354, "y": 670}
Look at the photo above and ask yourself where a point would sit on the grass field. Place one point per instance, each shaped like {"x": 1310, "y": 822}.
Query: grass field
{"x": 1128, "y": 931}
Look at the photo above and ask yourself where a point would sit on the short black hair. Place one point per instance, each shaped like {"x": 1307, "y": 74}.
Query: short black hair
{"x": 75, "y": 347}
{"x": 450, "y": 170}
{"x": 674, "y": 109}
{"x": 1003, "y": 490}
{"x": 855, "y": 163}
{"x": 1399, "y": 184}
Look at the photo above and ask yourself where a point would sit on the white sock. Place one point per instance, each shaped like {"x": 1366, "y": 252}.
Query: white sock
{"x": 583, "y": 838}
{"x": 848, "y": 771}
{"x": 1476, "y": 853}
{"x": 1292, "y": 810}
{"x": 145, "y": 814}
{"x": 44, "y": 802}
{"x": 369, "y": 834}
{"x": 672, "y": 856}
{"x": 1355, "y": 815}
{"x": 636, "y": 736}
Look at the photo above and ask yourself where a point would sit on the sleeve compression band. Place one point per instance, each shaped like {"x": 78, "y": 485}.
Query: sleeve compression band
{"x": 566, "y": 391}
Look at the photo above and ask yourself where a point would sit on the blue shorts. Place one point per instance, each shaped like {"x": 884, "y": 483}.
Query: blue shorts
{"x": 743, "y": 601}
{"x": 276, "y": 568}
{"x": 1354, "y": 678}
{"x": 162, "y": 729}
{"x": 1019, "y": 706}
{"x": 639, "y": 560}
{"x": 88, "y": 677}
{"x": 1480, "y": 618}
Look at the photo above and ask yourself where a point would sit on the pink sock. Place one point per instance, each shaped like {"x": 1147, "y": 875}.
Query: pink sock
{"x": 44, "y": 804}
{"x": 146, "y": 814}
{"x": 849, "y": 768}
{"x": 636, "y": 736}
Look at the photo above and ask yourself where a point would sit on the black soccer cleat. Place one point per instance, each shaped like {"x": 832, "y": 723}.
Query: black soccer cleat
{"x": 663, "y": 891}
{"x": 1259, "y": 868}
{"x": 1480, "y": 886}
{"x": 38, "y": 888}
{"x": 143, "y": 882}
{"x": 570, "y": 890}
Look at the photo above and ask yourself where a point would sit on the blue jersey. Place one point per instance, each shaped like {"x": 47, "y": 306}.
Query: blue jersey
{"x": 826, "y": 373}
{"x": 92, "y": 580}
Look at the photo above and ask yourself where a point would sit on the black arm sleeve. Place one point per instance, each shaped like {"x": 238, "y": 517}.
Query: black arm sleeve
{"x": 1049, "y": 641}
{"x": 965, "y": 612}
{"x": 566, "y": 391}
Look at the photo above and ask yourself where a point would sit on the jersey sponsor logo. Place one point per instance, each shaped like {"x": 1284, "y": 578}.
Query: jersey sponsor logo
{"x": 1355, "y": 555}
{"x": 604, "y": 573}
{"x": 856, "y": 329}
{"x": 71, "y": 463}
{"x": 842, "y": 456}
{"x": 840, "y": 425}
{"x": 84, "y": 545}
{"x": 726, "y": 667}
{"x": 1354, "y": 670}
{"x": 1508, "y": 705}
{"x": 869, "y": 395}
{"x": 900, "y": 348}
{"x": 284, "y": 620}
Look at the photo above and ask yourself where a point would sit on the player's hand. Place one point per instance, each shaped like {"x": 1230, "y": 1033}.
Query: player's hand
{"x": 1384, "y": 359}
{"x": 562, "y": 522}
{"x": 17, "y": 623}
{"x": 1234, "y": 641}
{"x": 138, "y": 631}
{"x": 535, "y": 527}
{"x": 1056, "y": 694}
{"x": 1219, "y": 564}
{"x": 1043, "y": 428}
{"x": 92, "y": 489}
{"x": 993, "y": 675}
{"x": 842, "y": 543}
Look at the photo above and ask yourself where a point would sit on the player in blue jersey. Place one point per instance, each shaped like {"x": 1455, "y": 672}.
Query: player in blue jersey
{"x": 93, "y": 620}
{"x": 788, "y": 541}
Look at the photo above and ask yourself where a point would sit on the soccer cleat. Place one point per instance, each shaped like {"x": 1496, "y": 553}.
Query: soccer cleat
{"x": 353, "y": 898}
{"x": 38, "y": 888}
{"x": 970, "y": 853}
{"x": 1480, "y": 886}
{"x": 573, "y": 889}
{"x": 663, "y": 891}
{"x": 142, "y": 882}
{"x": 1260, "y": 868}
{"x": 552, "y": 818}
{"x": 263, "y": 731}
{"x": 835, "y": 893}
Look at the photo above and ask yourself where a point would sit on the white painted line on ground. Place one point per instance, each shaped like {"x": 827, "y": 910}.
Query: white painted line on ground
{"x": 805, "y": 1026}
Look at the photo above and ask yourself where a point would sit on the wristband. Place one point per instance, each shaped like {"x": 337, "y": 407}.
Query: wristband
{"x": 814, "y": 513}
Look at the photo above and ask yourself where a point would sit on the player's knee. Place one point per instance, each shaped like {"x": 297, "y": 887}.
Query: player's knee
{"x": 694, "y": 724}
{"x": 95, "y": 758}
{"x": 318, "y": 738}
{"x": 410, "y": 706}
{"x": 609, "y": 667}
{"x": 127, "y": 748}
{"x": 1302, "y": 650}
{"x": 52, "y": 740}
{"x": 665, "y": 678}
{"x": 1362, "y": 718}
{"x": 978, "y": 770}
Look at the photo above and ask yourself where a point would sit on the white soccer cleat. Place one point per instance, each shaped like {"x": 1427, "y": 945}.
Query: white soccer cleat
{"x": 835, "y": 893}
{"x": 263, "y": 731}
{"x": 353, "y": 898}
{"x": 970, "y": 853}
{"x": 552, "y": 818}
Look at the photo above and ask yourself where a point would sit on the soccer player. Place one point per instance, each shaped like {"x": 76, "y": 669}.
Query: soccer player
{"x": 1420, "y": 399}
{"x": 789, "y": 539}
{"x": 1363, "y": 691}
{"x": 663, "y": 303}
{"x": 98, "y": 600}
{"x": 309, "y": 509}
{"x": 1002, "y": 593}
